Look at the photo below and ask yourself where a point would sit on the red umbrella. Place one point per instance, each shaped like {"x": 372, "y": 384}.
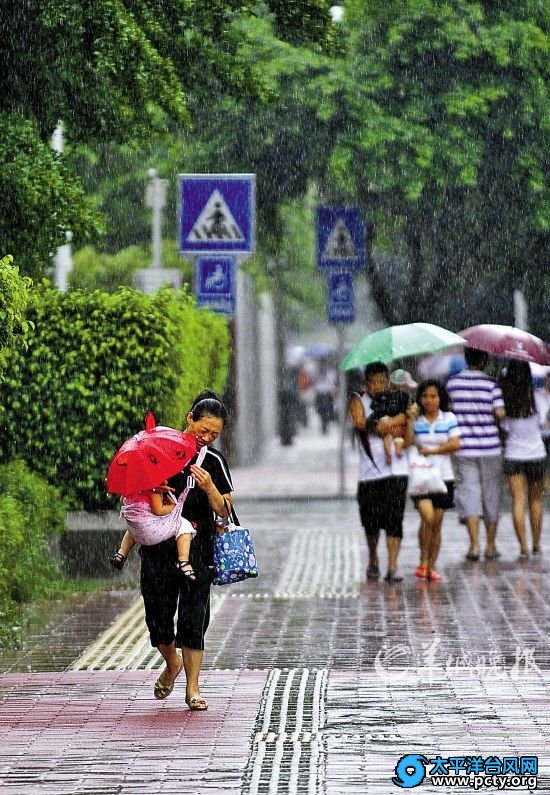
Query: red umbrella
{"x": 150, "y": 457}
{"x": 507, "y": 341}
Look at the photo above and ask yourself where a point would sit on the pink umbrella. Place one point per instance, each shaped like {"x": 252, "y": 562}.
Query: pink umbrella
{"x": 507, "y": 341}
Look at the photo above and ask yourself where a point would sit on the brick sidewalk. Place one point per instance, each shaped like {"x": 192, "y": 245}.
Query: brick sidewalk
{"x": 318, "y": 681}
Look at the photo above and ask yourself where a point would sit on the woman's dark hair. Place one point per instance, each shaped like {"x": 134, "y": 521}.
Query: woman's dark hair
{"x": 517, "y": 390}
{"x": 444, "y": 399}
{"x": 208, "y": 404}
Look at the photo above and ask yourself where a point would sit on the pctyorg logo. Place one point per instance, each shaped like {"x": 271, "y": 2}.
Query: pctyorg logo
{"x": 476, "y": 772}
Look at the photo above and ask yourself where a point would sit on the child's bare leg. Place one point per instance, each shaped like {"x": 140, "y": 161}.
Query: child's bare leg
{"x": 183, "y": 543}
{"x": 119, "y": 558}
{"x": 387, "y": 440}
{"x": 126, "y": 544}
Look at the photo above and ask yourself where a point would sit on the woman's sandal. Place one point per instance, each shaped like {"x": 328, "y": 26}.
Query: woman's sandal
{"x": 162, "y": 690}
{"x": 186, "y": 569}
{"x": 197, "y": 703}
{"x": 118, "y": 560}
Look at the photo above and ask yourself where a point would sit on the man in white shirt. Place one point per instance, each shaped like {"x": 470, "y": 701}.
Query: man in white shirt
{"x": 382, "y": 487}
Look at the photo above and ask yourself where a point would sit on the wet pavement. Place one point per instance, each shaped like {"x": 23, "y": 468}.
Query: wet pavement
{"x": 318, "y": 681}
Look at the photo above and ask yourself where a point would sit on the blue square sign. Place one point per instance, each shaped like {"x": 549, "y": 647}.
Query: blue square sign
{"x": 217, "y": 213}
{"x": 340, "y": 238}
{"x": 341, "y": 305}
{"x": 215, "y": 284}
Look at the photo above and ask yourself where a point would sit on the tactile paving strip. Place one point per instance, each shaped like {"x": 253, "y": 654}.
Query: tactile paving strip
{"x": 125, "y": 644}
{"x": 323, "y": 563}
{"x": 288, "y": 754}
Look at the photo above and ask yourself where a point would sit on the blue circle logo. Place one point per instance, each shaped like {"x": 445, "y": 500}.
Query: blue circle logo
{"x": 410, "y": 771}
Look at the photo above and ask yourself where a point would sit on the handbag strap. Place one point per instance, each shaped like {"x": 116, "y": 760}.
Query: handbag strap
{"x": 191, "y": 479}
{"x": 231, "y": 511}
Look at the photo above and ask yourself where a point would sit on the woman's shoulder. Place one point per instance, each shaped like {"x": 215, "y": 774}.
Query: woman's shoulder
{"x": 216, "y": 462}
{"x": 448, "y": 416}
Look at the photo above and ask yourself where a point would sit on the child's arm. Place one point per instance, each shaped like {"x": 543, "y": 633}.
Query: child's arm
{"x": 156, "y": 501}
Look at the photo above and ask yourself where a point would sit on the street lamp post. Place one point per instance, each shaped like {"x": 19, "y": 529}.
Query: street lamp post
{"x": 150, "y": 279}
{"x": 63, "y": 255}
{"x": 155, "y": 199}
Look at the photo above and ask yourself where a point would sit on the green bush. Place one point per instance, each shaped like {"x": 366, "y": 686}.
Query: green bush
{"x": 31, "y": 514}
{"x": 98, "y": 270}
{"x": 14, "y": 293}
{"x": 95, "y": 363}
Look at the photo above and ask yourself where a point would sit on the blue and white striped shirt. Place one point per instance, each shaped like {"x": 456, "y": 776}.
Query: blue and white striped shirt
{"x": 434, "y": 434}
{"x": 475, "y": 397}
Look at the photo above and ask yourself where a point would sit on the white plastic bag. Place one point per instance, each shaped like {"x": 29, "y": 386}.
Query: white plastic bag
{"x": 424, "y": 475}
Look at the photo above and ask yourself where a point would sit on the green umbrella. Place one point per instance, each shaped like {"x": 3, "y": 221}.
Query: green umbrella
{"x": 398, "y": 342}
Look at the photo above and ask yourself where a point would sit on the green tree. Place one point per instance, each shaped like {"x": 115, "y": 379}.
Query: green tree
{"x": 117, "y": 71}
{"x": 446, "y": 146}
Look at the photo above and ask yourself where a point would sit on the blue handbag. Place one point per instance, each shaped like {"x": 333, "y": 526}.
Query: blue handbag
{"x": 234, "y": 556}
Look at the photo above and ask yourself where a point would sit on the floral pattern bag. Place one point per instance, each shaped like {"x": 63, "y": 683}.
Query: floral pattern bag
{"x": 234, "y": 555}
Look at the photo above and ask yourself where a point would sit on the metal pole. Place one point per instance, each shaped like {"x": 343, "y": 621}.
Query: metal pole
{"x": 342, "y": 412}
{"x": 155, "y": 201}
{"x": 63, "y": 256}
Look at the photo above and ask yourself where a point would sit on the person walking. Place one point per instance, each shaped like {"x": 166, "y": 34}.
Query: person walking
{"x": 165, "y": 592}
{"x": 325, "y": 388}
{"x": 478, "y": 406}
{"x": 436, "y": 435}
{"x": 524, "y": 453}
{"x": 542, "y": 401}
{"x": 382, "y": 486}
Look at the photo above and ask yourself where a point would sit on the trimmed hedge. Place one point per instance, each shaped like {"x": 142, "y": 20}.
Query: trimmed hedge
{"x": 95, "y": 363}
{"x": 31, "y": 513}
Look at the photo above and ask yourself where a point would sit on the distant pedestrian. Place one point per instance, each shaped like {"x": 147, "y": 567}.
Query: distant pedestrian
{"x": 436, "y": 434}
{"x": 542, "y": 401}
{"x": 478, "y": 405}
{"x": 382, "y": 486}
{"x": 403, "y": 381}
{"x": 325, "y": 386}
{"x": 524, "y": 453}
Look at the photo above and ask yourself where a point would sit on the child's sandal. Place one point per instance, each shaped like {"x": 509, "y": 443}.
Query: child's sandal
{"x": 118, "y": 560}
{"x": 185, "y": 568}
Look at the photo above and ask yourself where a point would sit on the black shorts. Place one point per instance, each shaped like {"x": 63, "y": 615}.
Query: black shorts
{"x": 533, "y": 470}
{"x": 166, "y": 591}
{"x": 382, "y": 505}
{"x": 439, "y": 500}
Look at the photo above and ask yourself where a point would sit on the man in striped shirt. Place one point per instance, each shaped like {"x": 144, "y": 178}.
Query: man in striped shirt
{"x": 478, "y": 406}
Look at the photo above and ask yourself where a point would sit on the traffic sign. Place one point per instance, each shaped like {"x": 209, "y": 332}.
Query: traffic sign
{"x": 340, "y": 238}
{"x": 340, "y": 305}
{"x": 215, "y": 284}
{"x": 217, "y": 213}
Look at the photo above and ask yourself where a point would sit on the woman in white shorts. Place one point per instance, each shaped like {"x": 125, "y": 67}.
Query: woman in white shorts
{"x": 524, "y": 453}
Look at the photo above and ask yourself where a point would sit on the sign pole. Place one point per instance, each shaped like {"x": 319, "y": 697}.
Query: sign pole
{"x": 342, "y": 395}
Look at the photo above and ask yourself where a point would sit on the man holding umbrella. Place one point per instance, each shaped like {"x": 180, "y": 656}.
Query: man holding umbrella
{"x": 382, "y": 487}
{"x": 478, "y": 406}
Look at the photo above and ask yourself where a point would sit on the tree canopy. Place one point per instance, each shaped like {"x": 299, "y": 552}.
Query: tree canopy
{"x": 446, "y": 148}
{"x": 119, "y": 71}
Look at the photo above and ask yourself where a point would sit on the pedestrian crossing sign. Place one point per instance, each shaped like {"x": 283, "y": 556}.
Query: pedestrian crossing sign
{"x": 340, "y": 238}
{"x": 216, "y": 213}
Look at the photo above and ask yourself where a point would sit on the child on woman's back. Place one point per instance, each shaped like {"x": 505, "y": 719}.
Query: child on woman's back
{"x": 153, "y": 516}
